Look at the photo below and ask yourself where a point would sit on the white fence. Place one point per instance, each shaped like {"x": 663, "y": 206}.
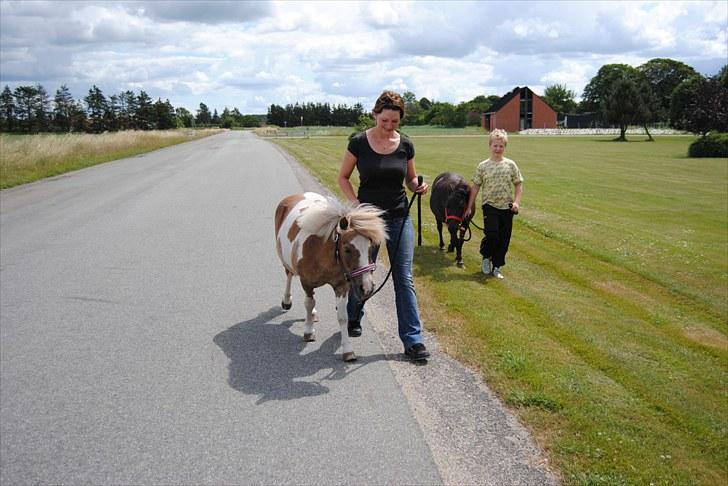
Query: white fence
{"x": 599, "y": 131}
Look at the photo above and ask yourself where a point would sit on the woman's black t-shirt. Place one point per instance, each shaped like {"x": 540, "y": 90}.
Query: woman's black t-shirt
{"x": 381, "y": 176}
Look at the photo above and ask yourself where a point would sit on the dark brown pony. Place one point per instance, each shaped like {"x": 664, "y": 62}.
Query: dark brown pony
{"x": 324, "y": 242}
{"x": 450, "y": 193}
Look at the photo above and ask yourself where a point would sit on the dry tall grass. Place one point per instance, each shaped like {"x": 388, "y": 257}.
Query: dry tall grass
{"x": 25, "y": 158}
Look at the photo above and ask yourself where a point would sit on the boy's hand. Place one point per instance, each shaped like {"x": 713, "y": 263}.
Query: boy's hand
{"x": 468, "y": 212}
{"x": 515, "y": 207}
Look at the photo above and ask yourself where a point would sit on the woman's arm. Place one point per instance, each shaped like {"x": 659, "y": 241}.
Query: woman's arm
{"x": 411, "y": 179}
{"x": 347, "y": 168}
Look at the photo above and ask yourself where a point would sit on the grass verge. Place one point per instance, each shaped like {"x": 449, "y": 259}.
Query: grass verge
{"x": 608, "y": 335}
{"x": 27, "y": 158}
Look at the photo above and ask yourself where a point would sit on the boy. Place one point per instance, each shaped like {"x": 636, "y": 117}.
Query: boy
{"x": 502, "y": 185}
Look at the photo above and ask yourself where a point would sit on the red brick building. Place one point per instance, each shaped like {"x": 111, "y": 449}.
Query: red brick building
{"x": 519, "y": 110}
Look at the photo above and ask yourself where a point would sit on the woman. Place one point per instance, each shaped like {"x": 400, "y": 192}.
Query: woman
{"x": 385, "y": 159}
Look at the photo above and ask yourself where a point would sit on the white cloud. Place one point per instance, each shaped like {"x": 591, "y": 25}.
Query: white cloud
{"x": 573, "y": 74}
{"x": 253, "y": 54}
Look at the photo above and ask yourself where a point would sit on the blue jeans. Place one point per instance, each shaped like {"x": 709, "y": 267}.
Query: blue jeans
{"x": 400, "y": 260}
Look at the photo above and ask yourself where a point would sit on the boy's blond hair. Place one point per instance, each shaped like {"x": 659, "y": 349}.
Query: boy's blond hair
{"x": 498, "y": 134}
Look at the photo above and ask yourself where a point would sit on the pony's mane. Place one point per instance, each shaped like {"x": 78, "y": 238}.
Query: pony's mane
{"x": 322, "y": 217}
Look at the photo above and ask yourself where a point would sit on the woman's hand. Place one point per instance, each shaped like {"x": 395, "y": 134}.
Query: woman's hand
{"x": 422, "y": 189}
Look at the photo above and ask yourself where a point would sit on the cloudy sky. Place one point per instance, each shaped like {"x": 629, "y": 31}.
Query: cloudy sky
{"x": 249, "y": 54}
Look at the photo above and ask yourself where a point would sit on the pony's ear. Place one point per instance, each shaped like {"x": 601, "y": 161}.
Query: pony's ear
{"x": 343, "y": 225}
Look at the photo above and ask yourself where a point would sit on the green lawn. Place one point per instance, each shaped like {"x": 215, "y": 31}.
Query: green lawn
{"x": 608, "y": 335}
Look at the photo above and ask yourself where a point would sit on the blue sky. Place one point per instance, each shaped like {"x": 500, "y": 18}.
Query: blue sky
{"x": 252, "y": 54}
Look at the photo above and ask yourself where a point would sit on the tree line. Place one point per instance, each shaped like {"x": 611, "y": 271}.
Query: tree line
{"x": 29, "y": 109}
{"x": 319, "y": 114}
{"x": 418, "y": 112}
{"x": 661, "y": 92}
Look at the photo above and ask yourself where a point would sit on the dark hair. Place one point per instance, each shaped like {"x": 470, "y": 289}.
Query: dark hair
{"x": 389, "y": 100}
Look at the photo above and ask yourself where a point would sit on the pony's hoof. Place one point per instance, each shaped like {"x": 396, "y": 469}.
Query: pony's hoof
{"x": 286, "y": 306}
{"x": 442, "y": 248}
{"x": 450, "y": 249}
{"x": 315, "y": 318}
{"x": 349, "y": 356}
{"x": 460, "y": 264}
{"x": 309, "y": 337}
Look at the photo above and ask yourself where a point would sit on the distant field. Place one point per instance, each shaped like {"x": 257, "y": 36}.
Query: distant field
{"x": 609, "y": 334}
{"x": 412, "y": 131}
{"x": 27, "y": 158}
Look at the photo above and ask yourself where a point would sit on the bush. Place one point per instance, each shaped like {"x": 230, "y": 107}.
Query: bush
{"x": 713, "y": 145}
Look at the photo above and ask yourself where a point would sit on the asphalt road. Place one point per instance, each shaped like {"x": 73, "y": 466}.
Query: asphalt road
{"x": 142, "y": 342}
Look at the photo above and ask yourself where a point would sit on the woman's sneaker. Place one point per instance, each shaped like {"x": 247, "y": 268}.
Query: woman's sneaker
{"x": 497, "y": 273}
{"x": 354, "y": 328}
{"x": 417, "y": 352}
{"x": 485, "y": 268}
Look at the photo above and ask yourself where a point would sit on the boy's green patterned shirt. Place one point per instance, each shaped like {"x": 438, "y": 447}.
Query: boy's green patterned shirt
{"x": 497, "y": 181}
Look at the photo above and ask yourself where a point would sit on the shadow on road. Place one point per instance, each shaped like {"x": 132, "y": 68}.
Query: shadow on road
{"x": 268, "y": 359}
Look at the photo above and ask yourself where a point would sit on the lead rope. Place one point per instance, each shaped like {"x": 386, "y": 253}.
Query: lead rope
{"x": 396, "y": 246}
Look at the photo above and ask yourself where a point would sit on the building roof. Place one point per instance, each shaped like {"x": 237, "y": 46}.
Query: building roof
{"x": 508, "y": 97}
{"x": 504, "y": 100}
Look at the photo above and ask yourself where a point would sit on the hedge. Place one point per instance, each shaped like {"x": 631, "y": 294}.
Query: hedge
{"x": 713, "y": 145}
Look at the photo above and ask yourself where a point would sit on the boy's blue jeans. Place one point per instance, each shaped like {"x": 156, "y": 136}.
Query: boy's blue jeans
{"x": 400, "y": 260}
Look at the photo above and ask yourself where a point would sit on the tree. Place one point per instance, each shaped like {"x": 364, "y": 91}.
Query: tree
{"x": 203, "y": 115}
{"x": 474, "y": 108}
{"x": 63, "y": 109}
{"x": 144, "y": 117}
{"x": 681, "y": 100}
{"x": 215, "y": 118}
{"x": 664, "y": 75}
{"x": 78, "y": 118}
{"x": 445, "y": 114}
{"x": 111, "y": 116}
{"x": 412, "y": 109}
{"x": 164, "y": 115}
{"x": 625, "y": 106}
{"x": 184, "y": 118}
{"x": 706, "y": 105}
{"x": 601, "y": 95}
{"x": 41, "y": 107}
{"x": 127, "y": 110}
{"x": 24, "y": 107}
{"x": 723, "y": 75}
{"x": 560, "y": 98}
{"x": 249, "y": 121}
{"x": 96, "y": 107}
{"x": 600, "y": 87}
{"x": 7, "y": 110}
{"x": 226, "y": 119}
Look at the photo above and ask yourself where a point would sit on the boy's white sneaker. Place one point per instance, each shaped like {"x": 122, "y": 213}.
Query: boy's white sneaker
{"x": 497, "y": 273}
{"x": 485, "y": 268}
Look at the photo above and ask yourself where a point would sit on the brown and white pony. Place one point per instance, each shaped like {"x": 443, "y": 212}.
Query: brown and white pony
{"x": 323, "y": 242}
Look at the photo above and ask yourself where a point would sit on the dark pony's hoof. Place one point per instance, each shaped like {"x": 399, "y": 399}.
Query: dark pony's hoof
{"x": 286, "y": 306}
{"x": 460, "y": 264}
{"x": 442, "y": 247}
